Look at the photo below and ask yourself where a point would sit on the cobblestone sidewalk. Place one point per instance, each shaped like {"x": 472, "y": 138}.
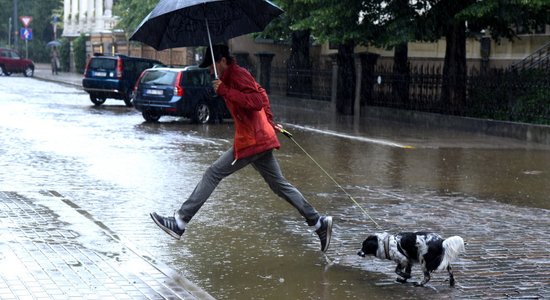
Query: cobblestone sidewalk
{"x": 52, "y": 250}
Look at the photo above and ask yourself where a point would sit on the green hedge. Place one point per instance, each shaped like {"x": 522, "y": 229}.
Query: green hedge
{"x": 79, "y": 46}
{"x": 65, "y": 55}
{"x": 511, "y": 96}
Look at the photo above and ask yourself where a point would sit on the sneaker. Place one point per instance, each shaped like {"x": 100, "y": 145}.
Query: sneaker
{"x": 168, "y": 224}
{"x": 325, "y": 232}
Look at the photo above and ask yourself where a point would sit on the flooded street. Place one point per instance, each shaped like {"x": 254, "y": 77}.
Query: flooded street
{"x": 245, "y": 242}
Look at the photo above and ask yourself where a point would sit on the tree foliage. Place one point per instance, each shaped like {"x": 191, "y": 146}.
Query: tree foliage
{"x": 42, "y": 15}
{"x": 336, "y": 21}
{"x": 502, "y": 19}
{"x": 132, "y": 12}
{"x": 79, "y": 48}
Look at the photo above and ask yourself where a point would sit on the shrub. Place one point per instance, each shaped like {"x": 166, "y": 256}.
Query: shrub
{"x": 79, "y": 46}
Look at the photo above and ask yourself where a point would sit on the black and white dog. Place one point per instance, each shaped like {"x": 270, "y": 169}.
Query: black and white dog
{"x": 428, "y": 249}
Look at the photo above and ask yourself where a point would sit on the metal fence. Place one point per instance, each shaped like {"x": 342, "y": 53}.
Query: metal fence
{"x": 510, "y": 95}
{"x": 418, "y": 90}
{"x": 506, "y": 94}
{"x": 314, "y": 83}
{"x": 503, "y": 94}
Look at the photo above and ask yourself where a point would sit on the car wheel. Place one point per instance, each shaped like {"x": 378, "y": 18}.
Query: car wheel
{"x": 150, "y": 116}
{"x": 96, "y": 100}
{"x": 4, "y": 72}
{"x": 202, "y": 113}
{"x": 29, "y": 71}
{"x": 129, "y": 98}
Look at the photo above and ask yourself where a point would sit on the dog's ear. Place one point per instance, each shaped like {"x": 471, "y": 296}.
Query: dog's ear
{"x": 370, "y": 245}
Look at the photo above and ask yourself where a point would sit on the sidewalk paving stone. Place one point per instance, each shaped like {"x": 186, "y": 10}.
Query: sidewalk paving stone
{"x": 49, "y": 250}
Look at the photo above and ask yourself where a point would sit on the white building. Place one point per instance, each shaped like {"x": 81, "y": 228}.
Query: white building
{"x": 88, "y": 17}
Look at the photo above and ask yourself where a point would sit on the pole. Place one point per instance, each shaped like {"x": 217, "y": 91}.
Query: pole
{"x": 9, "y": 34}
{"x": 15, "y": 40}
{"x": 211, "y": 49}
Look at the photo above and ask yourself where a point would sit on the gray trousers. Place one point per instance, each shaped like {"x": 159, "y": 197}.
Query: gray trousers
{"x": 266, "y": 164}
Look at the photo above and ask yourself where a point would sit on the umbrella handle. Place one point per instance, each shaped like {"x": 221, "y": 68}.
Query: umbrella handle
{"x": 211, "y": 50}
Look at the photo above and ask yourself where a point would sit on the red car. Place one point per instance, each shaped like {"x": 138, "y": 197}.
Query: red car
{"x": 11, "y": 62}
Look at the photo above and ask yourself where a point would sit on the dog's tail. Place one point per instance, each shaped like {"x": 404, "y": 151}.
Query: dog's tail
{"x": 452, "y": 247}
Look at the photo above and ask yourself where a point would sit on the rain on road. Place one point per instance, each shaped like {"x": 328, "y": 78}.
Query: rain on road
{"x": 245, "y": 243}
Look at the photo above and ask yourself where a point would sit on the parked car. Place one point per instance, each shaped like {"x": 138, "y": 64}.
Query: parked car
{"x": 184, "y": 92}
{"x": 114, "y": 77}
{"x": 11, "y": 62}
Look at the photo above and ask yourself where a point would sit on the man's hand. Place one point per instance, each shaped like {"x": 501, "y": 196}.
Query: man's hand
{"x": 279, "y": 127}
{"x": 216, "y": 84}
{"x": 282, "y": 130}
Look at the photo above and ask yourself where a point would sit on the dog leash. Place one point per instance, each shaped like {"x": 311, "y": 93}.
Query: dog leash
{"x": 289, "y": 135}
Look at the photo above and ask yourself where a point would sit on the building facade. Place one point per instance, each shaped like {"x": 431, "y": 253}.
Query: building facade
{"x": 88, "y": 17}
{"x": 95, "y": 19}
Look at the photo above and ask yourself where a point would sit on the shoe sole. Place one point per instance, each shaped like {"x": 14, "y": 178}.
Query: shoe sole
{"x": 329, "y": 233}
{"x": 166, "y": 229}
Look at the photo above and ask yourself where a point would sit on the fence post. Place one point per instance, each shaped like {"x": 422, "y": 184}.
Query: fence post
{"x": 334, "y": 83}
{"x": 242, "y": 60}
{"x": 367, "y": 80}
{"x": 359, "y": 75}
{"x": 485, "y": 51}
{"x": 264, "y": 73}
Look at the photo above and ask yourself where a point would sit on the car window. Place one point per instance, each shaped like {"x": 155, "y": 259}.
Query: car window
{"x": 13, "y": 55}
{"x": 3, "y": 54}
{"x": 130, "y": 66}
{"x": 142, "y": 65}
{"x": 158, "y": 77}
{"x": 103, "y": 63}
{"x": 193, "y": 78}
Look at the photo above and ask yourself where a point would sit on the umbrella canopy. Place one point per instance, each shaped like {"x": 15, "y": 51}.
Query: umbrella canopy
{"x": 53, "y": 44}
{"x": 183, "y": 23}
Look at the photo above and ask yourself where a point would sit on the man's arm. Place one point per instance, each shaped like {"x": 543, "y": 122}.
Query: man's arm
{"x": 242, "y": 90}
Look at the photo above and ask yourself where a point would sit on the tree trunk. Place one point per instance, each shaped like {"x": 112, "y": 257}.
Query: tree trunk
{"x": 453, "y": 91}
{"x": 346, "y": 79}
{"x": 299, "y": 66}
{"x": 401, "y": 72}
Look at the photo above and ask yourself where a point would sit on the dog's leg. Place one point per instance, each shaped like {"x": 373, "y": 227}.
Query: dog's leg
{"x": 425, "y": 280}
{"x": 451, "y": 277}
{"x": 408, "y": 270}
{"x": 426, "y": 276}
{"x": 398, "y": 271}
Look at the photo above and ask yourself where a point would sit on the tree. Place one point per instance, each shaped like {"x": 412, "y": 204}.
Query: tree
{"x": 42, "y": 15}
{"x": 132, "y": 12}
{"x": 395, "y": 27}
{"x": 340, "y": 23}
{"x": 299, "y": 62}
{"x": 448, "y": 18}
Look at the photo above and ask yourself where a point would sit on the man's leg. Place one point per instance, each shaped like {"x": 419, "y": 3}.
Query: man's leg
{"x": 269, "y": 168}
{"x": 221, "y": 168}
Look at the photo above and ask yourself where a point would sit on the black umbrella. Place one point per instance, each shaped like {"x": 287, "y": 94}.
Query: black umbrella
{"x": 183, "y": 23}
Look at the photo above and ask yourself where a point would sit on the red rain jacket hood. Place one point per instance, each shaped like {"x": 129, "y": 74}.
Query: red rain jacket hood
{"x": 249, "y": 106}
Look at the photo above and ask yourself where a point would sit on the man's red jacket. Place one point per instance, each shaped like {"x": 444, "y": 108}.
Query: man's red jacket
{"x": 249, "y": 106}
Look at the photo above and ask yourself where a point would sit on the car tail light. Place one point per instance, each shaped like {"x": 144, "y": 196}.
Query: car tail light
{"x": 138, "y": 80}
{"x": 87, "y": 67}
{"x": 119, "y": 68}
{"x": 178, "y": 89}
